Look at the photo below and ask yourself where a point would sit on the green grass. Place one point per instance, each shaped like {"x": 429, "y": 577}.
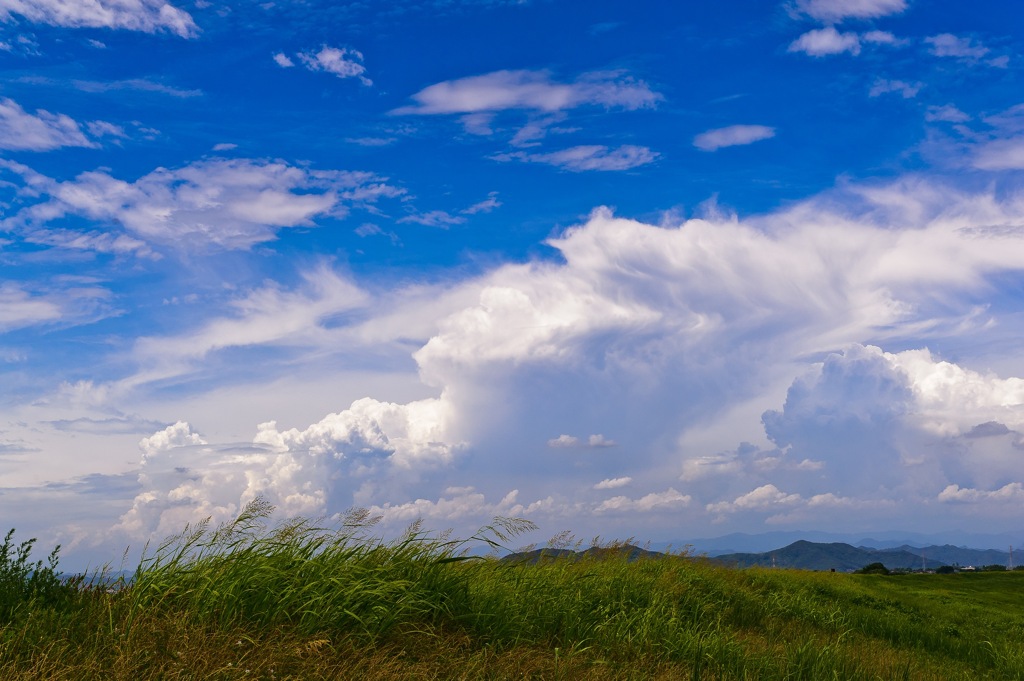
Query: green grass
{"x": 300, "y": 601}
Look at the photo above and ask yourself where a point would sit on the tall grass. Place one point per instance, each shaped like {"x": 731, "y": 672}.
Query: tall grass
{"x": 303, "y": 599}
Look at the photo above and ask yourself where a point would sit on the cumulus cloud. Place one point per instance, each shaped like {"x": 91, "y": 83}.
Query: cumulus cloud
{"x": 821, "y": 42}
{"x": 147, "y": 16}
{"x": 44, "y": 131}
{"x": 283, "y": 60}
{"x": 613, "y": 483}
{"x": 178, "y": 435}
{"x": 461, "y": 503}
{"x": 231, "y": 204}
{"x": 731, "y": 136}
{"x": 627, "y": 329}
{"x": 834, "y": 11}
{"x": 655, "y": 501}
{"x": 531, "y": 90}
{"x": 302, "y": 472}
{"x": 760, "y": 499}
{"x": 1007, "y": 494}
{"x": 342, "y": 62}
{"x": 588, "y": 157}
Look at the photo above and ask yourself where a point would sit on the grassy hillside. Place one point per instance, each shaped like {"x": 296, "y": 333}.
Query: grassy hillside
{"x": 299, "y": 602}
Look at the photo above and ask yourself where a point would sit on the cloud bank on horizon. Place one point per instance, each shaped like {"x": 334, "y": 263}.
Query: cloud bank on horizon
{"x": 640, "y": 279}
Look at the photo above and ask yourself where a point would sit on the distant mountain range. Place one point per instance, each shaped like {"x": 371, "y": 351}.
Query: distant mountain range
{"x": 806, "y": 555}
{"x": 802, "y": 555}
{"x": 740, "y": 542}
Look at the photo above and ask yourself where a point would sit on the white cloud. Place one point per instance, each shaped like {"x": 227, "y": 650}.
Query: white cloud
{"x": 1010, "y": 493}
{"x": 224, "y": 203}
{"x": 21, "y": 131}
{"x": 613, "y": 483}
{"x": 832, "y": 11}
{"x": 595, "y": 441}
{"x": 765, "y": 497}
{"x": 1002, "y": 154}
{"x": 901, "y": 87}
{"x": 731, "y": 136}
{"x": 283, "y": 61}
{"x": 178, "y": 435}
{"x": 18, "y": 308}
{"x": 22, "y": 307}
{"x": 265, "y": 316}
{"x": 342, "y": 62}
{"x": 302, "y": 472}
{"x": 460, "y": 504}
{"x": 668, "y": 500}
{"x": 135, "y": 84}
{"x": 623, "y": 334}
{"x": 947, "y": 113}
{"x": 224, "y": 146}
{"x": 485, "y": 206}
{"x": 531, "y": 90}
{"x": 406, "y": 435}
{"x": 588, "y": 157}
{"x": 949, "y": 45}
{"x": 372, "y": 141}
{"x": 880, "y": 38}
{"x": 821, "y": 42}
{"x": 434, "y": 218}
{"x": 148, "y": 16}
{"x": 105, "y": 129}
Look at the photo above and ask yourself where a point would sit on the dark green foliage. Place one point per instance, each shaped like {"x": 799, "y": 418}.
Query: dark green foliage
{"x": 24, "y": 584}
{"x": 945, "y": 570}
{"x": 873, "y": 569}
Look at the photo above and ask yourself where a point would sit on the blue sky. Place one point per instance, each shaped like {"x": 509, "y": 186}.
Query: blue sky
{"x": 631, "y": 269}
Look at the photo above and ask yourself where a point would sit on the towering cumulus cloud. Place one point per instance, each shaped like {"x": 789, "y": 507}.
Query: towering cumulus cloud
{"x": 646, "y": 338}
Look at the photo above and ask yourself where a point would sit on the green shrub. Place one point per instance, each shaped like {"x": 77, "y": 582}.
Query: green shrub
{"x": 23, "y": 583}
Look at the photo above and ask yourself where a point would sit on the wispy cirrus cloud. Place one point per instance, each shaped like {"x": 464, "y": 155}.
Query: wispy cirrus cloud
{"x": 588, "y": 157}
{"x": 731, "y": 136}
{"x": 966, "y": 50}
{"x": 21, "y": 307}
{"x": 949, "y": 45}
{"x": 135, "y": 84}
{"x": 147, "y": 16}
{"x": 834, "y": 11}
{"x": 901, "y": 87}
{"x": 226, "y": 203}
{"x": 42, "y": 131}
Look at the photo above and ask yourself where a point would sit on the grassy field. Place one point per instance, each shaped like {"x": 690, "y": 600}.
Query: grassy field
{"x": 297, "y": 601}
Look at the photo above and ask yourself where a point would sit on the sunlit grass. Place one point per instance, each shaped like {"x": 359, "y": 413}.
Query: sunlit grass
{"x": 301, "y": 600}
